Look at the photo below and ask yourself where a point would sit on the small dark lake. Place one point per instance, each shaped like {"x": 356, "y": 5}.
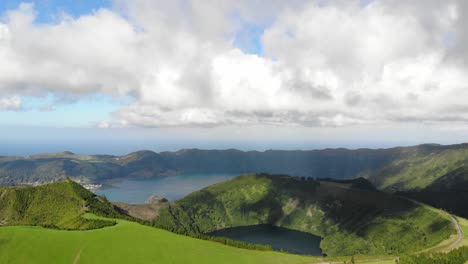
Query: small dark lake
{"x": 292, "y": 241}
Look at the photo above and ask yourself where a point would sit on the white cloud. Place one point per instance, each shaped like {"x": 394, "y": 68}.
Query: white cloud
{"x": 333, "y": 64}
{"x": 13, "y": 103}
{"x": 90, "y": 54}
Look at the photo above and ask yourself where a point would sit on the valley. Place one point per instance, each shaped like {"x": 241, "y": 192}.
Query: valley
{"x": 125, "y": 241}
{"x": 343, "y": 218}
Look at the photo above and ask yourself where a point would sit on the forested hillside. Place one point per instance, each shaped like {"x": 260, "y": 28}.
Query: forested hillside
{"x": 351, "y": 220}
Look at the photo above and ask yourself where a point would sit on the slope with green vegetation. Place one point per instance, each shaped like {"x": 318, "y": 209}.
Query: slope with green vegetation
{"x": 25, "y": 211}
{"x": 457, "y": 256}
{"x": 126, "y": 242}
{"x": 418, "y": 167}
{"x": 58, "y": 205}
{"x": 351, "y": 220}
{"x": 351, "y": 215}
{"x": 429, "y": 173}
{"x": 449, "y": 192}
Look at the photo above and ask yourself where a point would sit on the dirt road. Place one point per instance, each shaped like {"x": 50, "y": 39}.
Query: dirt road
{"x": 459, "y": 235}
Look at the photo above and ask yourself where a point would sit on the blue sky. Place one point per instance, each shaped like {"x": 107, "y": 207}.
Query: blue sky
{"x": 246, "y": 74}
{"x": 47, "y": 112}
{"x": 47, "y": 10}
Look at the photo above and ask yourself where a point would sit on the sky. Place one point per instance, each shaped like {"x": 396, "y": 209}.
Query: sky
{"x": 118, "y": 75}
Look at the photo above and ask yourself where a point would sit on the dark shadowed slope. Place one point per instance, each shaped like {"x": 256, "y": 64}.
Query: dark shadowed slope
{"x": 449, "y": 192}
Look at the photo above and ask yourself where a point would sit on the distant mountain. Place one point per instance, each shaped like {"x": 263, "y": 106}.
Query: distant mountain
{"x": 351, "y": 217}
{"x": 45, "y": 168}
{"x": 394, "y": 169}
{"x": 328, "y": 163}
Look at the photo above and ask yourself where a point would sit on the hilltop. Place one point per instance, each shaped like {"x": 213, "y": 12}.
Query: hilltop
{"x": 352, "y": 220}
{"x": 58, "y": 205}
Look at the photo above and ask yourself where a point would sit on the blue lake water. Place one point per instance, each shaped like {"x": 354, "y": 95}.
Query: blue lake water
{"x": 279, "y": 238}
{"x": 137, "y": 191}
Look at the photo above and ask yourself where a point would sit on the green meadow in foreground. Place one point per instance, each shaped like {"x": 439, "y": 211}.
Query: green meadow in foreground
{"x": 127, "y": 242}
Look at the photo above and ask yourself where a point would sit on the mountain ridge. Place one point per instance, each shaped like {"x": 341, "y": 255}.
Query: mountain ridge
{"x": 390, "y": 169}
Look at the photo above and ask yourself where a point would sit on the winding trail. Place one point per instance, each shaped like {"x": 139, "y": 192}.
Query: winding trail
{"x": 459, "y": 234}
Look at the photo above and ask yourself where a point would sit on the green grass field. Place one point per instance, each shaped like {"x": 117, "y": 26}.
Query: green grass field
{"x": 127, "y": 242}
{"x": 464, "y": 225}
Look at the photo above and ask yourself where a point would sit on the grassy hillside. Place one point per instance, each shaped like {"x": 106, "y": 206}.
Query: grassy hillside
{"x": 127, "y": 242}
{"x": 419, "y": 167}
{"x": 449, "y": 192}
{"x": 464, "y": 226}
{"x": 58, "y": 205}
{"x": 351, "y": 220}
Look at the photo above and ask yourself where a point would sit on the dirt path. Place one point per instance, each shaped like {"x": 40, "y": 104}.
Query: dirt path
{"x": 77, "y": 257}
{"x": 459, "y": 234}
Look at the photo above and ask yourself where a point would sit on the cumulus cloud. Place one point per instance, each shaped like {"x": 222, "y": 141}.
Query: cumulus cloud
{"x": 324, "y": 63}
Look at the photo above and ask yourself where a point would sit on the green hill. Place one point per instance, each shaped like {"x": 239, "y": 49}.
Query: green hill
{"x": 25, "y": 211}
{"x": 449, "y": 192}
{"x": 58, "y": 205}
{"x": 352, "y": 217}
{"x": 419, "y": 167}
{"x": 351, "y": 220}
{"x": 126, "y": 242}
